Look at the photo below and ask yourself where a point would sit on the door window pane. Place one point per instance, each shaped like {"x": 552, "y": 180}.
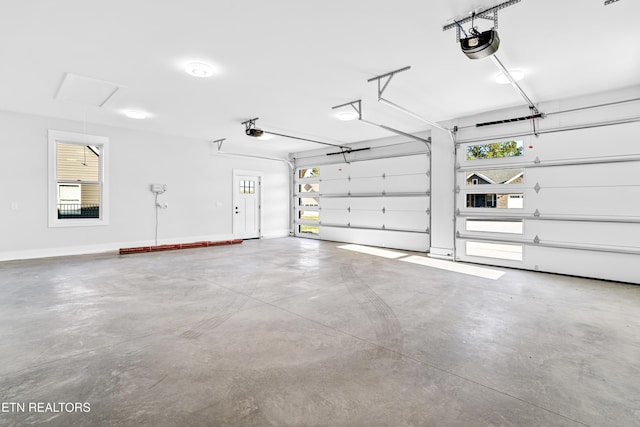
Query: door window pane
{"x": 309, "y": 173}
{"x": 309, "y": 187}
{"x": 78, "y": 180}
{"x": 309, "y": 229}
{"x": 309, "y": 215}
{"x": 513, "y": 226}
{"x": 493, "y": 200}
{"x": 494, "y": 250}
{"x": 495, "y": 176}
{"x": 495, "y": 150}
{"x": 247, "y": 187}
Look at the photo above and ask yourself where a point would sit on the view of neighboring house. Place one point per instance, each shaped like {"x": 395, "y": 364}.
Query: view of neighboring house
{"x": 495, "y": 200}
{"x": 78, "y": 168}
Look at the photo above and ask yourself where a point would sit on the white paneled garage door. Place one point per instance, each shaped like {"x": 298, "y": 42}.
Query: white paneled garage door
{"x": 564, "y": 202}
{"x": 381, "y": 202}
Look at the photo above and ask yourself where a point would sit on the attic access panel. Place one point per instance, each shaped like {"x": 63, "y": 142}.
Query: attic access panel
{"x": 86, "y": 90}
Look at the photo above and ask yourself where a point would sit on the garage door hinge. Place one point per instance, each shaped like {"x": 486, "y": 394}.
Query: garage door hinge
{"x": 384, "y": 175}
{"x": 349, "y": 209}
{"x": 428, "y": 211}
{"x": 349, "y": 178}
{"x": 458, "y": 212}
{"x": 536, "y": 240}
{"x": 429, "y": 193}
{"x": 457, "y": 189}
{"x": 537, "y": 160}
{"x": 383, "y": 210}
{"x": 428, "y": 173}
{"x": 536, "y": 213}
{"x": 428, "y": 230}
{"x": 457, "y": 234}
{"x": 457, "y": 165}
{"x": 537, "y": 187}
{"x": 383, "y": 227}
{"x": 349, "y": 224}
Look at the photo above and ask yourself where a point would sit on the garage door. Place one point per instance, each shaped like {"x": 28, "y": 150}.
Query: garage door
{"x": 565, "y": 202}
{"x": 380, "y": 202}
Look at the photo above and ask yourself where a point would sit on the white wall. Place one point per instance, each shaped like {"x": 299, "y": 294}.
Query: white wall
{"x": 199, "y": 182}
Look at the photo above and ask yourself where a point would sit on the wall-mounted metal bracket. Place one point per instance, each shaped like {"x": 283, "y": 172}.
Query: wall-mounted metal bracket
{"x": 388, "y": 76}
{"x": 357, "y": 105}
{"x": 219, "y": 142}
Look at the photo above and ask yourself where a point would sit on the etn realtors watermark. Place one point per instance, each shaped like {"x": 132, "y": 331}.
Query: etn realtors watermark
{"x": 44, "y": 407}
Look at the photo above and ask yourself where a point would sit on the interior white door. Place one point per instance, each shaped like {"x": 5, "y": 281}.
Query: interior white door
{"x": 246, "y": 212}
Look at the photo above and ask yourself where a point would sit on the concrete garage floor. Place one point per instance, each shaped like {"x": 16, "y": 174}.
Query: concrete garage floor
{"x": 297, "y": 332}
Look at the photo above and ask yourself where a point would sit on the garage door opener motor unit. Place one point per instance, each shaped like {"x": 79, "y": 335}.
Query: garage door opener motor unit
{"x": 480, "y": 45}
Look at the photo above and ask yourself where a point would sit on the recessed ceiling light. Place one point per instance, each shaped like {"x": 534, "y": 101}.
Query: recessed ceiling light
{"x": 502, "y": 79}
{"x": 347, "y": 115}
{"x": 138, "y": 115}
{"x": 199, "y": 69}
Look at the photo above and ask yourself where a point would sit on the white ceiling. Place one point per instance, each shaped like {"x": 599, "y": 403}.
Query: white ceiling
{"x": 289, "y": 61}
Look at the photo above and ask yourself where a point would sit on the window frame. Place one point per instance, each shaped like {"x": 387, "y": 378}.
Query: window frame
{"x": 54, "y": 137}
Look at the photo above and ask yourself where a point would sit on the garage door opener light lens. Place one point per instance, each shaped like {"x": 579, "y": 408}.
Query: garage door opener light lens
{"x": 502, "y": 79}
{"x": 347, "y": 115}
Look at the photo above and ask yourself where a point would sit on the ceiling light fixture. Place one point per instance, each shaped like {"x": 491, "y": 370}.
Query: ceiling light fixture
{"x": 199, "y": 69}
{"x": 138, "y": 115}
{"x": 502, "y": 79}
{"x": 347, "y": 115}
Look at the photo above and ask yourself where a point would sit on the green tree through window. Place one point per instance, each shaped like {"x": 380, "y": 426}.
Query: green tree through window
{"x": 495, "y": 150}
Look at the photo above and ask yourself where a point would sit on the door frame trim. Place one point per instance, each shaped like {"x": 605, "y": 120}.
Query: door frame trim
{"x": 234, "y": 197}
